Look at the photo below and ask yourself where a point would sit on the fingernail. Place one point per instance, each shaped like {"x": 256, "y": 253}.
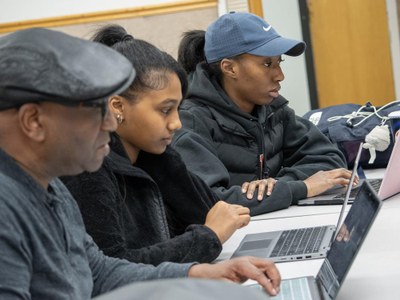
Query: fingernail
{"x": 259, "y": 197}
{"x": 274, "y": 292}
{"x": 243, "y": 191}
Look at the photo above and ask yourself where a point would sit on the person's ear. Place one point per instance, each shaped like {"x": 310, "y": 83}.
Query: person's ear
{"x": 31, "y": 119}
{"x": 116, "y": 104}
{"x": 229, "y": 68}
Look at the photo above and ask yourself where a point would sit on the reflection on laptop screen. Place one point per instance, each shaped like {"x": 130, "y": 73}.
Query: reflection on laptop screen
{"x": 347, "y": 243}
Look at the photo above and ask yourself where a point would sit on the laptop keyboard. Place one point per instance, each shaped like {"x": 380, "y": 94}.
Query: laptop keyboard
{"x": 299, "y": 241}
{"x": 375, "y": 183}
{"x": 297, "y": 288}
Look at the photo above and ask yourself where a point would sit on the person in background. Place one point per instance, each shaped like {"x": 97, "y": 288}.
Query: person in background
{"x": 142, "y": 204}
{"x": 239, "y": 134}
{"x": 55, "y": 121}
{"x": 191, "y": 50}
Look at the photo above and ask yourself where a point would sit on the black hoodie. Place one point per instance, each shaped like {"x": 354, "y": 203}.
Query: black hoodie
{"x": 151, "y": 212}
{"x": 226, "y": 146}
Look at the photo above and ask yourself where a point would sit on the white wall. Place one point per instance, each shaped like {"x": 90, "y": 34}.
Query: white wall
{"x": 394, "y": 36}
{"x": 21, "y": 10}
{"x": 284, "y": 16}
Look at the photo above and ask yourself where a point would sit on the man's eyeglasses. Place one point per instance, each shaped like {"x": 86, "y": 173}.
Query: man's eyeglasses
{"x": 102, "y": 104}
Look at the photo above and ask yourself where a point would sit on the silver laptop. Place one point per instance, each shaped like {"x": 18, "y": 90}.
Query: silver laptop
{"x": 340, "y": 256}
{"x": 385, "y": 187}
{"x": 294, "y": 244}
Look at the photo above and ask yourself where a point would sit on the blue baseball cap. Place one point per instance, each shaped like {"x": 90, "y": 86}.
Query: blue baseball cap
{"x": 238, "y": 32}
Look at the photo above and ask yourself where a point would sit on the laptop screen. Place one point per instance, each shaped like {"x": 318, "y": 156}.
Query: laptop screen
{"x": 348, "y": 241}
{"x": 348, "y": 190}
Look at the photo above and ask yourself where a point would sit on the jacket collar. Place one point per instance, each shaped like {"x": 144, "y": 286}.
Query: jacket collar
{"x": 118, "y": 160}
{"x": 11, "y": 169}
{"x": 205, "y": 89}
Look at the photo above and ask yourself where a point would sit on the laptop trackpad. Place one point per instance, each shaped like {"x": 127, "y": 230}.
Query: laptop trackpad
{"x": 255, "y": 245}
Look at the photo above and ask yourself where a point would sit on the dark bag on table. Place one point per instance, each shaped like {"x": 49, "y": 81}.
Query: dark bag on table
{"x": 347, "y": 125}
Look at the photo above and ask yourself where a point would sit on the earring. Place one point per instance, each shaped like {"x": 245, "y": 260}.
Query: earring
{"x": 120, "y": 119}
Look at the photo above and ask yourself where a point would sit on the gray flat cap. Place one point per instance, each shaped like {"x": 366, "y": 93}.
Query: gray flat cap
{"x": 45, "y": 65}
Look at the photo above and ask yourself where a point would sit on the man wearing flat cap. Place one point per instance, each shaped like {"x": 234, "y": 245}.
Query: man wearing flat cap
{"x": 54, "y": 121}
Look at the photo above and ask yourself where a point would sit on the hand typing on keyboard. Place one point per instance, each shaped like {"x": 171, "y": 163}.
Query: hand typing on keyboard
{"x": 324, "y": 180}
{"x": 375, "y": 183}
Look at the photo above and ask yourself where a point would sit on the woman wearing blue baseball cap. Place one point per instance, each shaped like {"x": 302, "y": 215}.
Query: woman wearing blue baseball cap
{"x": 239, "y": 134}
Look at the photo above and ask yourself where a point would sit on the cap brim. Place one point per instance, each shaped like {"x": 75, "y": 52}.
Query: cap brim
{"x": 15, "y": 97}
{"x": 279, "y": 46}
{"x": 46, "y": 65}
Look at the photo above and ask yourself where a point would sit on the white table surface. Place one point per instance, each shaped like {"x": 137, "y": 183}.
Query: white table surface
{"x": 375, "y": 273}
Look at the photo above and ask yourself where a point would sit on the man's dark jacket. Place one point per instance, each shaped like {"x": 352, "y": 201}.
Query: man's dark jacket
{"x": 227, "y": 147}
{"x": 151, "y": 212}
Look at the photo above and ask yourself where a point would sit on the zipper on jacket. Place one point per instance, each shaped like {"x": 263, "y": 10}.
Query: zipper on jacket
{"x": 261, "y": 157}
{"x": 264, "y": 170}
{"x": 261, "y": 167}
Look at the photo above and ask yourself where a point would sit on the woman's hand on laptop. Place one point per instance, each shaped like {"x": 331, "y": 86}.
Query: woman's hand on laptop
{"x": 324, "y": 180}
{"x": 239, "y": 270}
{"x": 264, "y": 186}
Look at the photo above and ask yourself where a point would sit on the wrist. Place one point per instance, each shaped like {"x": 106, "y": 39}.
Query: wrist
{"x": 218, "y": 234}
{"x": 198, "y": 271}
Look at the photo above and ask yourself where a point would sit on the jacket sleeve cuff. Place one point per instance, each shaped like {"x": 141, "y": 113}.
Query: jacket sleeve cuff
{"x": 174, "y": 270}
{"x": 298, "y": 189}
{"x": 206, "y": 238}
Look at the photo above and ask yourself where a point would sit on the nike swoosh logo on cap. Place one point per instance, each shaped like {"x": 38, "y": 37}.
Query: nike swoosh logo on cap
{"x": 267, "y": 28}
